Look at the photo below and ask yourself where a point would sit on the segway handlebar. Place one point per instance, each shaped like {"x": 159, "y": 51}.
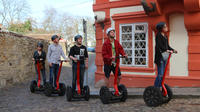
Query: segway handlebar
{"x": 121, "y": 57}
{"x": 37, "y": 59}
{"x": 79, "y": 58}
{"x": 63, "y": 60}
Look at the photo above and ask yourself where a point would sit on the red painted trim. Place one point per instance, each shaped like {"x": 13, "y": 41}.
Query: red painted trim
{"x": 192, "y": 5}
{"x": 193, "y": 65}
{"x": 101, "y": 1}
{"x": 137, "y": 69}
{"x": 116, "y": 4}
{"x": 194, "y": 33}
{"x": 144, "y": 80}
{"x": 194, "y": 49}
{"x": 129, "y": 15}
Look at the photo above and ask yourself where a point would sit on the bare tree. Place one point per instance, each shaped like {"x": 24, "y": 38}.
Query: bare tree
{"x": 67, "y": 25}
{"x": 49, "y": 21}
{"x": 13, "y": 10}
{"x": 90, "y": 31}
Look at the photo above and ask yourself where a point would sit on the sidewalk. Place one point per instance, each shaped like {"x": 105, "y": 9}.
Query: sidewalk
{"x": 138, "y": 92}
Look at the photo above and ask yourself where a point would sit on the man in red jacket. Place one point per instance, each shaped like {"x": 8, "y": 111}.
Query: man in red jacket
{"x": 110, "y": 50}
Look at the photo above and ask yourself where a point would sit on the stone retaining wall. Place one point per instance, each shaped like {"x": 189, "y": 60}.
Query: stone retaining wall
{"x": 16, "y": 53}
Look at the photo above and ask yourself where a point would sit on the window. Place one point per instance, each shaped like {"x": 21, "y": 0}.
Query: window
{"x": 134, "y": 40}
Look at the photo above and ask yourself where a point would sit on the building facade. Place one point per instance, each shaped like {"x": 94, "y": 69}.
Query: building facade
{"x": 134, "y": 21}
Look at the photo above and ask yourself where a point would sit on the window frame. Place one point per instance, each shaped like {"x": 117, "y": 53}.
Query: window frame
{"x": 133, "y": 43}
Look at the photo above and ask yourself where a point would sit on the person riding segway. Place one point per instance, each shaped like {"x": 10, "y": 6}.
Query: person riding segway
{"x": 78, "y": 54}
{"x": 39, "y": 57}
{"x": 110, "y": 51}
{"x": 160, "y": 93}
{"x": 53, "y": 56}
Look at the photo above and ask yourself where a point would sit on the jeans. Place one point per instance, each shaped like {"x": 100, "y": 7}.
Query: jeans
{"x": 160, "y": 70}
{"x": 74, "y": 75}
{"x": 43, "y": 74}
{"x": 53, "y": 74}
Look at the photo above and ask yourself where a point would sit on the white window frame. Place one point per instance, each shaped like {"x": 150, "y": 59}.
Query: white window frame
{"x": 133, "y": 43}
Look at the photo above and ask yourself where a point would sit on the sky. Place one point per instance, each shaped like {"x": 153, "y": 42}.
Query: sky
{"x": 73, "y": 7}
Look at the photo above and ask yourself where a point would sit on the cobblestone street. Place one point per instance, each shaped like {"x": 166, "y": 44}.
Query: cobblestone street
{"x": 18, "y": 98}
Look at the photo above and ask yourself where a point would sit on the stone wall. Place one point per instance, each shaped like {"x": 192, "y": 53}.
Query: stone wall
{"x": 16, "y": 53}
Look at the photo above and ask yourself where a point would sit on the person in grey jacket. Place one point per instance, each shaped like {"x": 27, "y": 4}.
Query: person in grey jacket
{"x": 55, "y": 51}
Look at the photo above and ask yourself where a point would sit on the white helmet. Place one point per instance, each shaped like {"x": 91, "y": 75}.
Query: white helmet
{"x": 109, "y": 29}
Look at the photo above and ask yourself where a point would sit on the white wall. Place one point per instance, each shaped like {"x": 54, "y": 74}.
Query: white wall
{"x": 154, "y": 45}
{"x": 123, "y": 10}
{"x": 179, "y": 41}
{"x": 101, "y": 15}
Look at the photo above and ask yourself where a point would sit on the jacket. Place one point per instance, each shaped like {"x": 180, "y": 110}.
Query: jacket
{"x": 107, "y": 51}
{"x": 36, "y": 56}
{"x": 161, "y": 46}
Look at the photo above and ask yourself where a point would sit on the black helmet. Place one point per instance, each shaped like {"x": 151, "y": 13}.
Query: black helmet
{"x": 77, "y": 37}
{"x": 40, "y": 45}
{"x": 160, "y": 26}
{"x": 54, "y": 37}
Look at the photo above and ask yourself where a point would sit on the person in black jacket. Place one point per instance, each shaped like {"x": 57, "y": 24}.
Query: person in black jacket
{"x": 41, "y": 56}
{"x": 162, "y": 45}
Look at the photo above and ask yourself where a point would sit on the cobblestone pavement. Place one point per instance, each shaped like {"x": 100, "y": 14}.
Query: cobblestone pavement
{"x": 19, "y": 99}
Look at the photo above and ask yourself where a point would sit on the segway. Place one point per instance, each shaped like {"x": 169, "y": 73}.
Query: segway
{"x": 36, "y": 84}
{"x": 120, "y": 91}
{"x": 80, "y": 93}
{"x": 153, "y": 96}
{"x": 60, "y": 87}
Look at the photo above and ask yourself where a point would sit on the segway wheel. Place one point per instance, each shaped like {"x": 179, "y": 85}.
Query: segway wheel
{"x": 69, "y": 93}
{"x": 87, "y": 93}
{"x": 123, "y": 90}
{"x": 62, "y": 89}
{"x": 152, "y": 96}
{"x": 33, "y": 86}
{"x": 105, "y": 95}
{"x": 48, "y": 89}
{"x": 169, "y": 96}
{"x": 101, "y": 92}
